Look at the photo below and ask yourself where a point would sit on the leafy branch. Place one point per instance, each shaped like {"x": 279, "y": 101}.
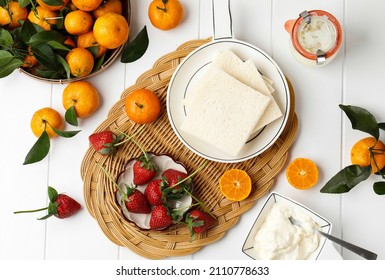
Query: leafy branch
{"x": 350, "y": 176}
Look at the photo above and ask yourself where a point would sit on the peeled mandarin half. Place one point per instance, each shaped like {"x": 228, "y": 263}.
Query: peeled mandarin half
{"x": 302, "y": 173}
{"x": 235, "y": 184}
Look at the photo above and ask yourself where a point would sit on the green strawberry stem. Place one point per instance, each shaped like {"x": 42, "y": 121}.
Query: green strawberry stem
{"x": 129, "y": 137}
{"x": 190, "y": 176}
{"x": 200, "y": 203}
{"x": 30, "y": 211}
{"x": 112, "y": 180}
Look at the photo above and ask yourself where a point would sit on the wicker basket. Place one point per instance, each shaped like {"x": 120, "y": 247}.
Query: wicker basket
{"x": 159, "y": 137}
{"x": 111, "y": 55}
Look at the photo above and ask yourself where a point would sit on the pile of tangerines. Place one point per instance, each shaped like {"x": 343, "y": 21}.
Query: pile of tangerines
{"x": 85, "y": 30}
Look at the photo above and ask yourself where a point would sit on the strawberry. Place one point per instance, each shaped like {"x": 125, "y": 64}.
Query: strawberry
{"x": 136, "y": 201}
{"x": 198, "y": 221}
{"x": 105, "y": 142}
{"x": 153, "y": 192}
{"x": 144, "y": 170}
{"x": 173, "y": 176}
{"x": 61, "y": 206}
{"x": 160, "y": 218}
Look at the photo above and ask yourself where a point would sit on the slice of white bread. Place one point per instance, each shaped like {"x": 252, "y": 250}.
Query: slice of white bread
{"x": 229, "y": 62}
{"x": 247, "y": 73}
{"x": 226, "y": 114}
{"x": 273, "y": 111}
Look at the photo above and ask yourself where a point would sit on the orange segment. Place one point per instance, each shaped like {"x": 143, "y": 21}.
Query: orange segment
{"x": 302, "y": 173}
{"x": 235, "y": 184}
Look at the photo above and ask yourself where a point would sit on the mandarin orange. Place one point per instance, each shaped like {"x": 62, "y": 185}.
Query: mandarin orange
{"x": 369, "y": 151}
{"x": 302, "y": 173}
{"x": 235, "y": 184}
{"x": 142, "y": 106}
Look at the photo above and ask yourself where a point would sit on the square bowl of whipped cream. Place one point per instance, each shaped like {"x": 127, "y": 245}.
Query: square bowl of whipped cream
{"x": 274, "y": 236}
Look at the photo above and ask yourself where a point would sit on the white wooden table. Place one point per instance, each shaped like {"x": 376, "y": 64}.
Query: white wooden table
{"x": 355, "y": 77}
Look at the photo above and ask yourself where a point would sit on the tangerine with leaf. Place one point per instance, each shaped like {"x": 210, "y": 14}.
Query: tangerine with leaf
{"x": 369, "y": 151}
{"x": 80, "y": 99}
{"x": 88, "y": 40}
{"x": 46, "y": 119}
{"x": 80, "y": 61}
{"x": 12, "y": 13}
{"x": 46, "y": 123}
{"x": 43, "y": 17}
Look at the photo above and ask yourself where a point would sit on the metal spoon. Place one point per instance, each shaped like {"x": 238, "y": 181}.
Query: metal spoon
{"x": 355, "y": 249}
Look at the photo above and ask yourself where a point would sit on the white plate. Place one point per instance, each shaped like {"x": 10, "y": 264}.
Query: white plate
{"x": 191, "y": 70}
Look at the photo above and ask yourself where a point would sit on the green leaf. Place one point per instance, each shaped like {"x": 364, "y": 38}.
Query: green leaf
{"x": 361, "y": 119}
{"x": 66, "y": 134}
{"x": 24, "y": 3}
{"x": 3, "y": 3}
{"x": 53, "y": 2}
{"x": 39, "y": 150}
{"x": 46, "y": 57}
{"x": 27, "y": 31}
{"x": 381, "y": 126}
{"x": 5, "y": 57}
{"x": 5, "y": 38}
{"x": 347, "y": 178}
{"x": 379, "y": 188}
{"x": 7, "y": 69}
{"x": 135, "y": 49}
{"x": 65, "y": 65}
{"x": 46, "y": 36}
{"x": 52, "y": 208}
{"x": 99, "y": 63}
{"x": 71, "y": 117}
{"x": 52, "y": 194}
{"x": 94, "y": 50}
{"x": 58, "y": 46}
{"x": 50, "y": 74}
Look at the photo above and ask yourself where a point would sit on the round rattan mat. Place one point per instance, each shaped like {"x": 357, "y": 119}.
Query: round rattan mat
{"x": 159, "y": 138}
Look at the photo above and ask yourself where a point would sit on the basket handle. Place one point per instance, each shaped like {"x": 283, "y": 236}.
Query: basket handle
{"x": 222, "y": 21}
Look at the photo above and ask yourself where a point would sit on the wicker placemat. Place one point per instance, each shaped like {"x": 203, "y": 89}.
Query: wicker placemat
{"x": 159, "y": 137}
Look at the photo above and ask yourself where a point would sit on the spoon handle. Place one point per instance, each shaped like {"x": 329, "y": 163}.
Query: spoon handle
{"x": 358, "y": 250}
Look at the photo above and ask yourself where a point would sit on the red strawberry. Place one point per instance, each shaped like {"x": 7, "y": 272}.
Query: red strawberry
{"x": 173, "y": 176}
{"x": 160, "y": 218}
{"x": 105, "y": 142}
{"x": 153, "y": 192}
{"x": 61, "y": 206}
{"x": 198, "y": 221}
{"x": 136, "y": 202}
{"x": 144, "y": 170}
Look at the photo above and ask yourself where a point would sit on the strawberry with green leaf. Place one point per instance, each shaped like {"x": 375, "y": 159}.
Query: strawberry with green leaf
{"x": 199, "y": 221}
{"x": 144, "y": 168}
{"x": 136, "y": 201}
{"x": 105, "y": 142}
{"x": 61, "y": 206}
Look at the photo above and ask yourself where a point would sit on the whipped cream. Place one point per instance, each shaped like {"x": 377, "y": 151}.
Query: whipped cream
{"x": 279, "y": 239}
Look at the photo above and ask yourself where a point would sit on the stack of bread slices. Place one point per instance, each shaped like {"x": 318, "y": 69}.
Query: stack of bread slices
{"x": 229, "y": 103}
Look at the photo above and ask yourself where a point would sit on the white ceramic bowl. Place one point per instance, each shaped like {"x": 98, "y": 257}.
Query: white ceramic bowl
{"x": 325, "y": 248}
